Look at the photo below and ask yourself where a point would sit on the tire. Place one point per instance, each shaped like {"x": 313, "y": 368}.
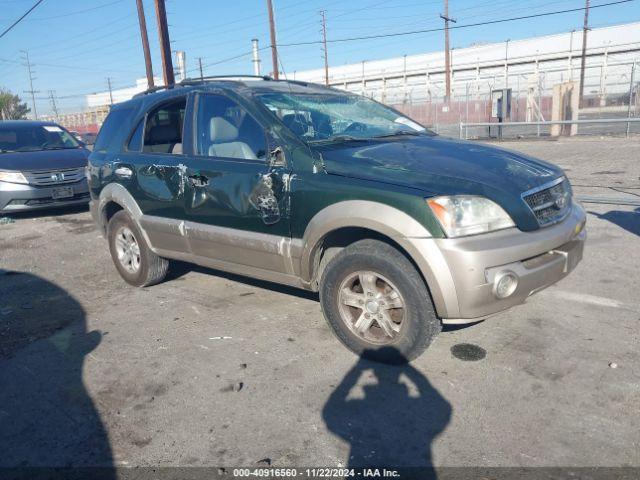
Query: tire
{"x": 371, "y": 271}
{"x": 147, "y": 268}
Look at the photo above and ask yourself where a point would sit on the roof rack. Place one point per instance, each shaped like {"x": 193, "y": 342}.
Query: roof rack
{"x": 197, "y": 81}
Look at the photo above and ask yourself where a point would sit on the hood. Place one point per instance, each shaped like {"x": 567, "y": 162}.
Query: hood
{"x": 444, "y": 166}
{"x": 44, "y": 160}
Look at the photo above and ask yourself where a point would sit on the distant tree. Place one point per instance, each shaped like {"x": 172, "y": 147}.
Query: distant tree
{"x": 12, "y": 107}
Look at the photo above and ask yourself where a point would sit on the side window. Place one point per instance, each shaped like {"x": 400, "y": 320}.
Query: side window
{"x": 163, "y": 129}
{"x": 115, "y": 122}
{"x": 225, "y": 129}
{"x": 135, "y": 142}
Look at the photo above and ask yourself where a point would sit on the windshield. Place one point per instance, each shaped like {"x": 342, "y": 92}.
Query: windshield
{"x": 31, "y": 138}
{"x": 334, "y": 116}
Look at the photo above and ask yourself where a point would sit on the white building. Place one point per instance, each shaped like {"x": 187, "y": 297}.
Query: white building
{"x": 530, "y": 67}
{"x": 539, "y": 62}
{"x": 101, "y": 99}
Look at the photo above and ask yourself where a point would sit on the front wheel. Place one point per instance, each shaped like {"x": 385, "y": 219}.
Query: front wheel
{"x": 133, "y": 258}
{"x": 377, "y": 303}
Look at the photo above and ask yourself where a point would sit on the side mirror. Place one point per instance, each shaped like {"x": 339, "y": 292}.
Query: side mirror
{"x": 277, "y": 158}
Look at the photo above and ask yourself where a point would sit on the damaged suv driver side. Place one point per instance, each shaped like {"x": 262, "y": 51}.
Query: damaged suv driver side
{"x": 399, "y": 230}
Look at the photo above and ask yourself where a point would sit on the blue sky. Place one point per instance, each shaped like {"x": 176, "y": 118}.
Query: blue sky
{"x": 75, "y": 45}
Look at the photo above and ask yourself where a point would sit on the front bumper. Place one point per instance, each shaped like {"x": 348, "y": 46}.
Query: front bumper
{"x": 466, "y": 268}
{"x": 15, "y": 197}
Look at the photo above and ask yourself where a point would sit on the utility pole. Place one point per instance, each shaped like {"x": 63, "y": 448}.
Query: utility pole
{"x": 272, "y": 33}
{"x": 506, "y": 63}
{"x": 324, "y": 47}
{"x": 145, "y": 44}
{"x": 447, "y": 55}
{"x": 585, "y": 29}
{"x": 31, "y": 90}
{"x": 54, "y": 107}
{"x": 110, "y": 91}
{"x": 165, "y": 44}
{"x": 631, "y": 86}
{"x": 256, "y": 56}
{"x": 200, "y": 66}
{"x": 571, "y": 55}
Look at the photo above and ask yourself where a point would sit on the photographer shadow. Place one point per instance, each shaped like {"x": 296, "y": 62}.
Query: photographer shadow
{"x": 49, "y": 425}
{"x": 389, "y": 414}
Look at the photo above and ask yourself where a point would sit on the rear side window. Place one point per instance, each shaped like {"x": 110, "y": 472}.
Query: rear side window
{"x": 135, "y": 143}
{"x": 163, "y": 129}
{"x": 112, "y": 127}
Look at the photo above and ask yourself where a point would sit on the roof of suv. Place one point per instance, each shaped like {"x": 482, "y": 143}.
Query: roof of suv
{"x": 239, "y": 83}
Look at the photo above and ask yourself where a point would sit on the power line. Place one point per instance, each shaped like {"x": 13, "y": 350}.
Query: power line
{"x": 468, "y": 25}
{"x": 80, "y": 95}
{"x": 76, "y": 12}
{"x": 46, "y": 54}
{"x": 225, "y": 60}
{"x": 73, "y": 38}
{"x": 92, "y": 52}
{"x": 21, "y": 18}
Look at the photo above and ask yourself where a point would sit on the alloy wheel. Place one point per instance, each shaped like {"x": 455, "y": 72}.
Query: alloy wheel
{"x": 128, "y": 250}
{"x": 371, "y": 306}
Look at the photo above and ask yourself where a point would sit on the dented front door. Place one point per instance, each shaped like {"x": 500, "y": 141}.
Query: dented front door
{"x": 236, "y": 190}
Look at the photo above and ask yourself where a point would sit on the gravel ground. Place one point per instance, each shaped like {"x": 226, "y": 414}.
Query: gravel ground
{"x": 209, "y": 369}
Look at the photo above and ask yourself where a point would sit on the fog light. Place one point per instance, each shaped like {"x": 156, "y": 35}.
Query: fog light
{"x": 505, "y": 284}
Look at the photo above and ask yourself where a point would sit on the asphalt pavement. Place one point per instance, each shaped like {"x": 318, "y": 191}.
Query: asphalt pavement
{"x": 210, "y": 369}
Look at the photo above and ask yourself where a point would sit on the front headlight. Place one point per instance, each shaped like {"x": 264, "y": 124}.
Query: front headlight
{"x": 468, "y": 215}
{"x": 12, "y": 177}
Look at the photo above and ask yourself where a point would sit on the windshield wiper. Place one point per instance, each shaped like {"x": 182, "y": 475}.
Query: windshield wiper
{"x": 342, "y": 138}
{"x": 25, "y": 149}
{"x": 59, "y": 148}
{"x": 400, "y": 132}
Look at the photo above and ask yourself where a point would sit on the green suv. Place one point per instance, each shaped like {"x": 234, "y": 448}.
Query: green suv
{"x": 398, "y": 229}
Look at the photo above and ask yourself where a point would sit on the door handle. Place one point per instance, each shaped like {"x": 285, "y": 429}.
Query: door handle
{"x": 123, "y": 172}
{"x": 198, "y": 180}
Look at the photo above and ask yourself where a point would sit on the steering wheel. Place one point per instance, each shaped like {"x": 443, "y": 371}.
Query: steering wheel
{"x": 356, "y": 127}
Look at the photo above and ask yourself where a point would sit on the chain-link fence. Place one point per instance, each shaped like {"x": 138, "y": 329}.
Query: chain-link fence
{"x": 611, "y": 92}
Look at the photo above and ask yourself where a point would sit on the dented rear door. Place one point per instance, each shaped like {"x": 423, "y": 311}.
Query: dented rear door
{"x": 153, "y": 166}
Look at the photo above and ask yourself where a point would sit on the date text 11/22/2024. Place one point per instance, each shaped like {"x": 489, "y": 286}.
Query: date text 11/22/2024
{"x": 316, "y": 472}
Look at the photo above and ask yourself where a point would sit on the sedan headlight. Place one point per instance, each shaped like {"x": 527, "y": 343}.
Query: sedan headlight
{"x": 468, "y": 215}
{"x": 12, "y": 177}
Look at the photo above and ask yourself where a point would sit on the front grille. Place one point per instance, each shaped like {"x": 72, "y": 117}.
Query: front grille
{"x": 54, "y": 177}
{"x": 550, "y": 203}
{"x": 50, "y": 201}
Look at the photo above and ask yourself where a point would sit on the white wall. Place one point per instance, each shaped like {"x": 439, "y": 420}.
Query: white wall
{"x": 482, "y": 67}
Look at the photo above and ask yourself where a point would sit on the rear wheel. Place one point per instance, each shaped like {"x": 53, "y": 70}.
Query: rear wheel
{"x": 377, "y": 303}
{"x": 133, "y": 258}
